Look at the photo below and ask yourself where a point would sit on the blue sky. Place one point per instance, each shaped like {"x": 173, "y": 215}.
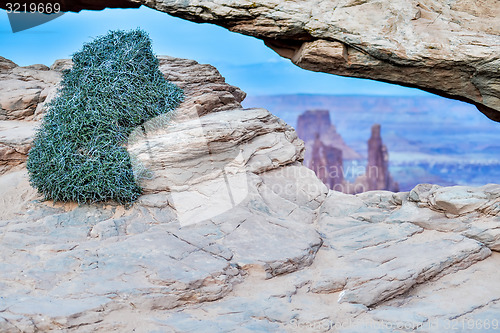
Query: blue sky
{"x": 244, "y": 61}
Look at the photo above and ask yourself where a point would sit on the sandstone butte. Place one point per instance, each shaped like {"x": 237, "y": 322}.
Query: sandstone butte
{"x": 233, "y": 233}
{"x": 450, "y": 48}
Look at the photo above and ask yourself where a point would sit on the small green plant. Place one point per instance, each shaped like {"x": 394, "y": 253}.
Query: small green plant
{"x": 79, "y": 151}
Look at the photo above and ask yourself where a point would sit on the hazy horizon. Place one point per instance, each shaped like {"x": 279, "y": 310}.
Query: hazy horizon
{"x": 430, "y": 139}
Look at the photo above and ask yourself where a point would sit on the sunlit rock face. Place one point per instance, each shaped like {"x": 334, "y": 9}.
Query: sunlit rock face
{"x": 450, "y": 48}
{"x": 24, "y": 92}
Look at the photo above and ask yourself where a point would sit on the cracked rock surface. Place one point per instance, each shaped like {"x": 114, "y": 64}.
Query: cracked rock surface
{"x": 233, "y": 233}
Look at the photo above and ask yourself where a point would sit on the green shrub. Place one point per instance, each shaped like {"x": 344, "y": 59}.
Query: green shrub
{"x": 79, "y": 150}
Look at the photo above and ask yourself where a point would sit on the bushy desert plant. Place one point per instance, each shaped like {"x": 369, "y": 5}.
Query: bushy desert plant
{"x": 79, "y": 150}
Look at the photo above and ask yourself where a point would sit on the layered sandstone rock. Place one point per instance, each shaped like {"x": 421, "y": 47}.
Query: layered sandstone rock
{"x": 278, "y": 260}
{"x": 237, "y": 235}
{"x": 205, "y": 89}
{"x": 233, "y": 198}
{"x": 25, "y": 92}
{"x": 448, "y": 48}
{"x": 16, "y": 138}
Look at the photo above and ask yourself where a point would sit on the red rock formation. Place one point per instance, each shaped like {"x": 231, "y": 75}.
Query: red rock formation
{"x": 377, "y": 176}
{"x": 312, "y": 123}
{"x": 377, "y": 170}
{"x": 325, "y": 151}
{"x": 325, "y": 148}
{"x": 317, "y": 122}
{"x": 326, "y": 162}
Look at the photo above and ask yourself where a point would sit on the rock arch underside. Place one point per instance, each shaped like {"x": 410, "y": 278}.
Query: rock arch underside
{"x": 449, "y": 48}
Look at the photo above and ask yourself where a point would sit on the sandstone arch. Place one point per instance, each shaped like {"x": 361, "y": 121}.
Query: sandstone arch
{"x": 449, "y": 48}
